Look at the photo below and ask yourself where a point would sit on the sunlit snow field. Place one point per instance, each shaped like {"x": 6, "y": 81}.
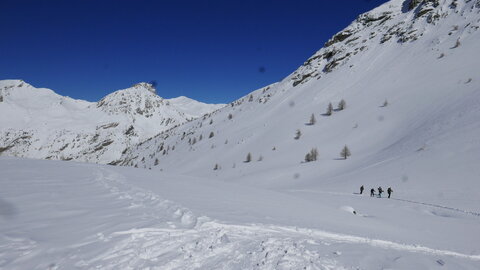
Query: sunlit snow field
{"x": 59, "y": 215}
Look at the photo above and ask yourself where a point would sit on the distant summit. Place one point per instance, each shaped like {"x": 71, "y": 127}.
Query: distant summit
{"x": 38, "y": 123}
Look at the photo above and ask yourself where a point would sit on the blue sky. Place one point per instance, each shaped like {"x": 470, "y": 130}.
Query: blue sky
{"x": 212, "y": 51}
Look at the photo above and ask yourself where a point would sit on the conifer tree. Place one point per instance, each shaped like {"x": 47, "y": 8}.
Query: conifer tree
{"x": 312, "y": 155}
{"x": 312, "y": 120}
{"x": 345, "y": 152}
{"x": 342, "y": 105}
{"x": 329, "y": 109}
{"x": 248, "y": 158}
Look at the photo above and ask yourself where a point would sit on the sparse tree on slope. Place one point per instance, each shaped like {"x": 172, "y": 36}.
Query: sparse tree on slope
{"x": 298, "y": 134}
{"x": 248, "y": 158}
{"x": 312, "y": 155}
{"x": 345, "y": 152}
{"x": 312, "y": 120}
{"x": 342, "y": 105}
{"x": 329, "y": 109}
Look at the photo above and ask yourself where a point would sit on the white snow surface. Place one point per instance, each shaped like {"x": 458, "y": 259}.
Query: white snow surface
{"x": 67, "y": 215}
{"x": 38, "y": 123}
{"x": 201, "y": 206}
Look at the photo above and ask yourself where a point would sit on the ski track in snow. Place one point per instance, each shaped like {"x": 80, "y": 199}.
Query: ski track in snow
{"x": 397, "y": 199}
{"x": 181, "y": 240}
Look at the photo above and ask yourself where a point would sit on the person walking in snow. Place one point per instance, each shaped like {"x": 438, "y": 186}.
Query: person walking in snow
{"x": 389, "y": 191}
{"x": 380, "y": 191}
{"x": 361, "y": 189}
{"x": 372, "y": 192}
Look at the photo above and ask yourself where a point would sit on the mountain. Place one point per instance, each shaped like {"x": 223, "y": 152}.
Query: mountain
{"x": 261, "y": 183}
{"x": 408, "y": 73}
{"x": 39, "y": 123}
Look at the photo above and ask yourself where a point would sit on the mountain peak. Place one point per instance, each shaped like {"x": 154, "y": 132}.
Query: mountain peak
{"x": 143, "y": 85}
{"x": 15, "y": 83}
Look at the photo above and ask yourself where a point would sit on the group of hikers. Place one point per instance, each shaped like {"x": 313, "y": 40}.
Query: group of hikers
{"x": 380, "y": 191}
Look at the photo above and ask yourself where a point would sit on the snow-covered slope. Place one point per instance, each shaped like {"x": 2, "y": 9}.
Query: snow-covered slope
{"x": 58, "y": 215}
{"x": 39, "y": 123}
{"x": 422, "y": 58}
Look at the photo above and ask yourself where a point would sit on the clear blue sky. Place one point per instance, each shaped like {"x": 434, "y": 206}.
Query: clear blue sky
{"x": 212, "y": 51}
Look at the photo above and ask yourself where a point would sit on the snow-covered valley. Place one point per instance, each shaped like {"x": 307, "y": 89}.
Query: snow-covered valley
{"x": 265, "y": 182}
{"x": 57, "y": 215}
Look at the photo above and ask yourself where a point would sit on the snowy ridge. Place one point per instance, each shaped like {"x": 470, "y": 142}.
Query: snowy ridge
{"x": 402, "y": 69}
{"x": 39, "y": 123}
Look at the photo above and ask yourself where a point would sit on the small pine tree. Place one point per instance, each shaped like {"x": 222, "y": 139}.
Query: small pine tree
{"x": 211, "y": 135}
{"x": 298, "y": 134}
{"x": 200, "y": 137}
{"x": 156, "y": 161}
{"x": 345, "y": 152}
{"x": 230, "y": 116}
{"x": 312, "y": 155}
{"x": 329, "y": 109}
{"x": 385, "y": 103}
{"x": 194, "y": 141}
{"x": 250, "y": 99}
{"x": 342, "y": 105}
{"x": 216, "y": 167}
{"x": 248, "y": 158}
{"x": 211, "y": 121}
{"x": 312, "y": 120}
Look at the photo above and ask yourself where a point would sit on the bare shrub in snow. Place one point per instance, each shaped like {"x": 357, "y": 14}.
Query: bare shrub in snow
{"x": 211, "y": 135}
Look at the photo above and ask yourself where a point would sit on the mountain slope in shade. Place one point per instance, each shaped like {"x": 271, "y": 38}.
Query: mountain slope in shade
{"x": 39, "y": 123}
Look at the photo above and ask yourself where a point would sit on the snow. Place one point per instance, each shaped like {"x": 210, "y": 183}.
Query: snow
{"x": 39, "y": 123}
{"x": 86, "y": 216}
{"x": 202, "y": 206}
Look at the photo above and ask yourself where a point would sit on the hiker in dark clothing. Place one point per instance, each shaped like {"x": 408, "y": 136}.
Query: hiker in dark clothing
{"x": 389, "y": 191}
{"x": 380, "y": 191}
{"x": 372, "y": 192}
{"x": 361, "y": 189}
